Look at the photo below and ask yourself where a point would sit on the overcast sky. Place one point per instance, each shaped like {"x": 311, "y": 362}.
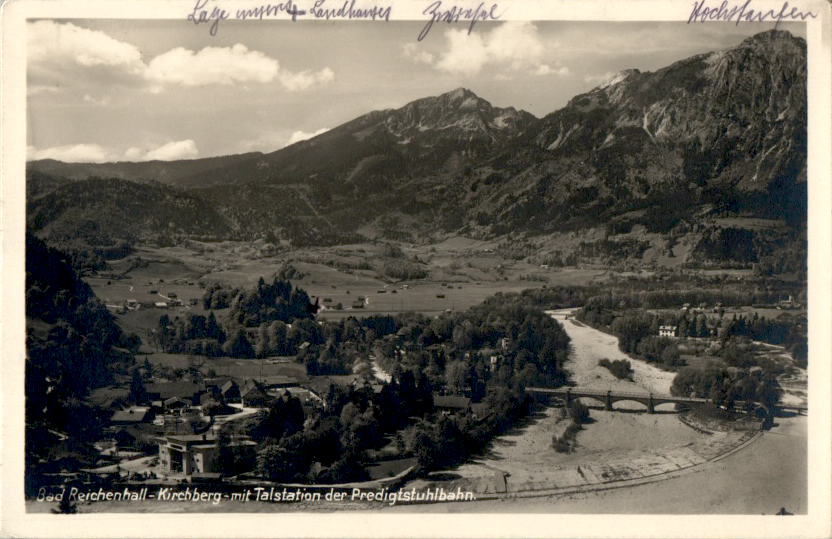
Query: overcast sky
{"x": 114, "y": 90}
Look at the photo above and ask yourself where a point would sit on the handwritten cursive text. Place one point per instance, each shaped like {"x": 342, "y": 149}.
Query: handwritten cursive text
{"x": 349, "y": 11}
{"x": 454, "y": 14}
{"x": 201, "y": 15}
{"x": 744, "y": 13}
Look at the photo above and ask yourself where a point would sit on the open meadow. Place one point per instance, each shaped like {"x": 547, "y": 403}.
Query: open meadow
{"x": 347, "y": 280}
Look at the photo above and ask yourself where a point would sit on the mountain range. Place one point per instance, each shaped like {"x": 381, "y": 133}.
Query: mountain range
{"x": 717, "y": 135}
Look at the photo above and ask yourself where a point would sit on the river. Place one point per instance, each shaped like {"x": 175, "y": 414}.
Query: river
{"x": 768, "y": 473}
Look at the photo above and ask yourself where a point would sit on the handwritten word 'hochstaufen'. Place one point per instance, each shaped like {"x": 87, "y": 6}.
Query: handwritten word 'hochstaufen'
{"x": 455, "y": 14}
{"x": 349, "y": 11}
{"x": 744, "y": 13}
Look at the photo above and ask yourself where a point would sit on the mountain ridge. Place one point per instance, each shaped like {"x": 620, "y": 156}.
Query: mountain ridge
{"x": 721, "y": 133}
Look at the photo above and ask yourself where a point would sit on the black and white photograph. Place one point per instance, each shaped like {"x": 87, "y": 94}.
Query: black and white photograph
{"x": 310, "y": 258}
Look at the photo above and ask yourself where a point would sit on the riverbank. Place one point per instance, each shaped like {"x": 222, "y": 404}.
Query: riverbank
{"x": 768, "y": 474}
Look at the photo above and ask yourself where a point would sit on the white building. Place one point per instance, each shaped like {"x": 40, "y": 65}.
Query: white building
{"x": 668, "y": 331}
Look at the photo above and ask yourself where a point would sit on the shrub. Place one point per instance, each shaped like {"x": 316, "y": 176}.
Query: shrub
{"x": 620, "y": 368}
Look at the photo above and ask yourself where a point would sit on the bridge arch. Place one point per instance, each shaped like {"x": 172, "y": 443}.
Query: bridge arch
{"x": 597, "y": 400}
{"x": 641, "y": 402}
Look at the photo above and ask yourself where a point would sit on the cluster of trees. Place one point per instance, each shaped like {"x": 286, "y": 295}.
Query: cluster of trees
{"x": 217, "y": 296}
{"x": 652, "y": 298}
{"x": 726, "y": 386}
{"x": 785, "y": 330}
{"x": 267, "y": 302}
{"x": 788, "y": 259}
{"x": 200, "y": 335}
{"x": 257, "y": 323}
{"x": 338, "y": 437}
{"x": 729, "y": 243}
{"x": 616, "y": 249}
{"x": 448, "y": 439}
{"x": 79, "y": 346}
{"x": 192, "y": 334}
{"x": 578, "y": 414}
{"x": 404, "y": 270}
{"x": 620, "y": 368}
{"x": 74, "y": 346}
{"x": 503, "y": 340}
{"x": 559, "y": 259}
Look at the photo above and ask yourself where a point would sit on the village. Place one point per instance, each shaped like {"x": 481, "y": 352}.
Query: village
{"x": 169, "y": 431}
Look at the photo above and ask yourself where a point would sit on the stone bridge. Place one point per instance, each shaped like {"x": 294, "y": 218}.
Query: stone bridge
{"x": 649, "y": 400}
{"x": 608, "y": 398}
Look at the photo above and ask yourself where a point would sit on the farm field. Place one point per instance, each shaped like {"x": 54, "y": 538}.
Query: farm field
{"x": 460, "y": 273}
{"x": 233, "y": 367}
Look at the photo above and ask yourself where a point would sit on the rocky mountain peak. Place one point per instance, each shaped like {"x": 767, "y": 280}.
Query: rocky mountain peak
{"x": 773, "y": 37}
{"x": 459, "y": 94}
{"x": 459, "y": 113}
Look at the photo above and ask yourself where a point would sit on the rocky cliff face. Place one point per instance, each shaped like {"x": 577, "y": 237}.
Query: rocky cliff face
{"x": 736, "y": 117}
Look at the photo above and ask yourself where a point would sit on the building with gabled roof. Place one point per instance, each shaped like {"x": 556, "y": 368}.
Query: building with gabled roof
{"x": 161, "y": 391}
{"x": 451, "y": 403}
{"x": 132, "y": 416}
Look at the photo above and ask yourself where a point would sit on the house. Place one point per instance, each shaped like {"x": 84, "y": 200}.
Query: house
{"x": 162, "y": 391}
{"x": 160, "y": 305}
{"x": 196, "y": 453}
{"x": 451, "y": 403}
{"x": 668, "y": 331}
{"x": 132, "y": 416}
{"x": 216, "y": 382}
{"x": 230, "y": 391}
{"x": 786, "y": 303}
{"x": 110, "y": 398}
{"x": 253, "y": 396}
{"x": 210, "y": 397}
{"x": 277, "y": 382}
{"x": 132, "y": 304}
{"x": 176, "y": 404}
{"x": 504, "y": 342}
{"x": 124, "y": 438}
